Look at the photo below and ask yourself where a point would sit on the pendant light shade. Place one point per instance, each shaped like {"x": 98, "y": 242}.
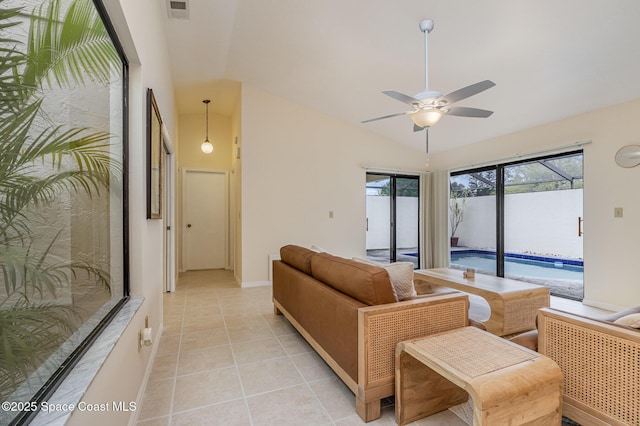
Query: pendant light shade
{"x": 207, "y": 147}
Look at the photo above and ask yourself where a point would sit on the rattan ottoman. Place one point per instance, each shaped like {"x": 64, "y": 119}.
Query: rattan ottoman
{"x": 507, "y": 383}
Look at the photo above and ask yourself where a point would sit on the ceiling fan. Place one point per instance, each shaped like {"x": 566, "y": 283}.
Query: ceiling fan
{"x": 429, "y": 106}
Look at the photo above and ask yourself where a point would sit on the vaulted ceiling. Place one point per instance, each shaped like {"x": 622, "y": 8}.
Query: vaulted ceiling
{"x": 549, "y": 59}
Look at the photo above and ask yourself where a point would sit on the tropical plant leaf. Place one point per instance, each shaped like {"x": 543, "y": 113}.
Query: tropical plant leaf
{"x": 28, "y": 335}
{"x": 40, "y": 163}
{"x": 70, "y": 48}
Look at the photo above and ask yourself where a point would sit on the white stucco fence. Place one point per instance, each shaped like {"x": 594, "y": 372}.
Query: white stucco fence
{"x": 536, "y": 222}
{"x": 378, "y": 230}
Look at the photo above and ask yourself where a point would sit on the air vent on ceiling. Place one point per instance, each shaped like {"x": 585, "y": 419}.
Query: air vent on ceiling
{"x": 178, "y": 9}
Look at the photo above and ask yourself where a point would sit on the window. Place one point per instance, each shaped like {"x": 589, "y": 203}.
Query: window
{"x": 63, "y": 272}
{"x": 521, "y": 220}
{"x": 393, "y": 207}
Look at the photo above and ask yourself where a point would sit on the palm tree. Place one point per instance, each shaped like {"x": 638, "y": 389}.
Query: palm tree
{"x": 39, "y": 162}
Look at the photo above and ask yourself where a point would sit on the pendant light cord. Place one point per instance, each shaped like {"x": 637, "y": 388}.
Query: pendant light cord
{"x": 206, "y": 103}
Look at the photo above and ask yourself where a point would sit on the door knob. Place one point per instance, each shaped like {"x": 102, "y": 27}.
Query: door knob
{"x": 188, "y": 225}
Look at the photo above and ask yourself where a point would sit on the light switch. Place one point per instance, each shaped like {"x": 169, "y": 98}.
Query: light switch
{"x": 330, "y": 214}
{"x": 617, "y": 212}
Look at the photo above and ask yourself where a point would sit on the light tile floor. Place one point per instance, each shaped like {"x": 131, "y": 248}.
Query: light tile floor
{"x": 224, "y": 358}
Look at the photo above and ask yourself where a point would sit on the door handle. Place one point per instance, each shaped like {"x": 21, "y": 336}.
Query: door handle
{"x": 580, "y": 232}
{"x": 188, "y": 225}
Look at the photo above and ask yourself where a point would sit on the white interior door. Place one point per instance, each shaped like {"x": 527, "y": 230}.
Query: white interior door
{"x": 205, "y": 219}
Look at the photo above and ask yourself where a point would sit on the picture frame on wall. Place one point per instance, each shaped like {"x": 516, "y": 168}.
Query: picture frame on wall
{"x": 154, "y": 158}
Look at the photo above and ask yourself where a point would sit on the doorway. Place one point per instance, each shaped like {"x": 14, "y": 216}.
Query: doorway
{"x": 168, "y": 276}
{"x": 393, "y": 218}
{"x": 205, "y": 218}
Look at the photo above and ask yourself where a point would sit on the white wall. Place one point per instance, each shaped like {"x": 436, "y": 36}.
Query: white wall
{"x": 544, "y": 223}
{"x": 297, "y": 165}
{"x": 610, "y": 244}
{"x": 140, "y": 26}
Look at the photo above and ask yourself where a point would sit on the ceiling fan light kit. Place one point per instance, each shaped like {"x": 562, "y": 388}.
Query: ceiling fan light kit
{"x": 429, "y": 106}
{"x": 426, "y": 117}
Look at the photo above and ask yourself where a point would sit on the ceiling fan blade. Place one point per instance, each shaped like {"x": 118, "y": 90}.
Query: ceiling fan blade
{"x": 409, "y": 100}
{"x": 468, "y": 91}
{"x": 386, "y": 116}
{"x": 469, "y": 112}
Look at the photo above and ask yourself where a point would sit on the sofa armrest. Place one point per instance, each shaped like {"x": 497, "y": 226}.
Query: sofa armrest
{"x": 600, "y": 366}
{"x": 382, "y": 327}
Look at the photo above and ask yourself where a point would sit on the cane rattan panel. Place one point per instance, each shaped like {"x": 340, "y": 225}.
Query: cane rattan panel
{"x": 386, "y": 330}
{"x": 519, "y": 314}
{"x": 472, "y": 352}
{"x": 600, "y": 370}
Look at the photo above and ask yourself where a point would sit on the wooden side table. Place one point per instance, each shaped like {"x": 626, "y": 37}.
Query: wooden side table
{"x": 508, "y": 383}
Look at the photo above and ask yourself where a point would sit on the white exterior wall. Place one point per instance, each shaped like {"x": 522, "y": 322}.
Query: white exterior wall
{"x": 378, "y": 217}
{"x": 536, "y": 222}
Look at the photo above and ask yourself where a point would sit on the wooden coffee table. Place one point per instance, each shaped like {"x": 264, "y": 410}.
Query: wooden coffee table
{"x": 514, "y": 304}
{"x": 507, "y": 383}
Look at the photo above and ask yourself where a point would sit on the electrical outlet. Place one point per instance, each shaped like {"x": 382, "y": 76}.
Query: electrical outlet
{"x": 617, "y": 212}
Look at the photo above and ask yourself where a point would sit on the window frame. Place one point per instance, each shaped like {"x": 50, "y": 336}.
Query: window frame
{"x": 500, "y": 196}
{"x": 58, "y": 376}
{"x": 393, "y": 213}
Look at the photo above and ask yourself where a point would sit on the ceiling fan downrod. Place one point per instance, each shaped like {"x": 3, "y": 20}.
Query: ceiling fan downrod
{"x": 426, "y": 26}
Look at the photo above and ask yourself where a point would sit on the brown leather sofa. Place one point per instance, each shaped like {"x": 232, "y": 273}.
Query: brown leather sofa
{"x": 600, "y": 361}
{"x": 347, "y": 312}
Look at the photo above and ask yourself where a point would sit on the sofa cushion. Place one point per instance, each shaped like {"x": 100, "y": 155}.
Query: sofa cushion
{"x": 367, "y": 283}
{"x": 616, "y": 315}
{"x": 297, "y": 257}
{"x": 632, "y": 321}
{"x": 400, "y": 275}
{"x": 528, "y": 339}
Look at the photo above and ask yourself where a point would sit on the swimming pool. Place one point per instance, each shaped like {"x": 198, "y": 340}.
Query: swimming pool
{"x": 516, "y": 264}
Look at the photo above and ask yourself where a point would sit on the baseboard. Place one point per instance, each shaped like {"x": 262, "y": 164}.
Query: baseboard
{"x": 247, "y": 284}
{"x": 600, "y": 305}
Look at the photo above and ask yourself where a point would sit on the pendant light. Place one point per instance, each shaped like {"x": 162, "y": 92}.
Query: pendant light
{"x": 207, "y": 147}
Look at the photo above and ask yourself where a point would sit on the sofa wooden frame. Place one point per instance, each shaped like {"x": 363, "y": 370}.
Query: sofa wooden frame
{"x": 380, "y": 329}
{"x": 600, "y": 362}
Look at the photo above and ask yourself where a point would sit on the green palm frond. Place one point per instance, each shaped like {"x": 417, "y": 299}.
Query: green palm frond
{"x": 40, "y": 163}
{"x": 28, "y": 334}
{"x": 11, "y": 59}
{"x": 70, "y": 48}
{"x": 88, "y": 165}
{"x": 27, "y": 272}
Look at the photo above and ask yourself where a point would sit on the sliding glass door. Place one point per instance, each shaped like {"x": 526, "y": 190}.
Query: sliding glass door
{"x": 542, "y": 207}
{"x": 472, "y": 219}
{"x": 393, "y": 218}
{"x": 521, "y": 220}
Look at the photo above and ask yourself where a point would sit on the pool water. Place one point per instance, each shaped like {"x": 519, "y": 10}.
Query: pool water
{"x": 539, "y": 267}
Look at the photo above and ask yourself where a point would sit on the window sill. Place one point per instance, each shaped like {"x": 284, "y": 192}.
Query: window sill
{"x": 74, "y": 386}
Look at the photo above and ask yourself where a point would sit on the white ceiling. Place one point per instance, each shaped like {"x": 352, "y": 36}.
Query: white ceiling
{"x": 549, "y": 59}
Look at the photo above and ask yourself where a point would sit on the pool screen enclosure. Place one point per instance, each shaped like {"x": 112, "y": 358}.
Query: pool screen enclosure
{"x": 528, "y": 207}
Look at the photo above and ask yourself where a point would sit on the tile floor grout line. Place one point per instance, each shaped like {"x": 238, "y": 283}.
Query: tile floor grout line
{"x": 235, "y": 361}
{"x": 306, "y": 383}
{"x": 175, "y": 373}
